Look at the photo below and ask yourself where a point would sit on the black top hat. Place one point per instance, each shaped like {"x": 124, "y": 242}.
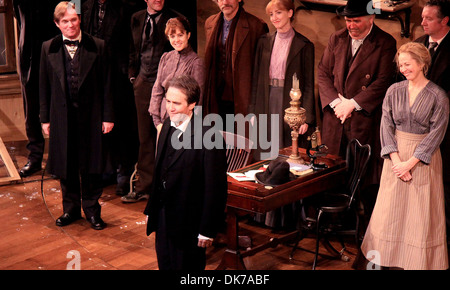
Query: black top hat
{"x": 276, "y": 173}
{"x": 355, "y": 8}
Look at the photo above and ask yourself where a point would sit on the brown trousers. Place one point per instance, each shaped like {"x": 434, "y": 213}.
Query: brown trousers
{"x": 147, "y": 135}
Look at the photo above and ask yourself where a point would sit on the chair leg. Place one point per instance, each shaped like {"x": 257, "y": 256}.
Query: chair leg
{"x": 341, "y": 241}
{"x": 317, "y": 239}
{"x": 298, "y": 238}
{"x": 357, "y": 231}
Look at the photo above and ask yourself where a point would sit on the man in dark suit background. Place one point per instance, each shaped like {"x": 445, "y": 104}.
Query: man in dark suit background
{"x": 35, "y": 25}
{"x": 436, "y": 25}
{"x": 148, "y": 43}
{"x": 110, "y": 20}
{"x": 76, "y": 109}
{"x": 187, "y": 202}
{"x": 355, "y": 71}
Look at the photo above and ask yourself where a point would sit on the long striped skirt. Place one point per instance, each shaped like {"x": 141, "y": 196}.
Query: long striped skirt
{"x": 407, "y": 227}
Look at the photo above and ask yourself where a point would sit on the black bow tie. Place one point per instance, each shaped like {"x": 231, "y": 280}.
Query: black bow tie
{"x": 72, "y": 43}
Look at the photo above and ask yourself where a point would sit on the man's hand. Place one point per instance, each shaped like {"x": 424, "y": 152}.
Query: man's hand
{"x": 204, "y": 243}
{"x": 46, "y": 128}
{"x": 344, "y": 109}
{"x": 303, "y": 128}
{"x": 107, "y": 127}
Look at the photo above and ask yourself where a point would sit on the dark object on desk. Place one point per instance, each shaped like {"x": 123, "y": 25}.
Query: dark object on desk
{"x": 278, "y": 172}
{"x": 253, "y": 198}
{"x": 321, "y": 150}
{"x": 340, "y": 203}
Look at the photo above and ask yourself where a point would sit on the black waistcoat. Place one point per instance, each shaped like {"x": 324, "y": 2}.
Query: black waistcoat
{"x": 72, "y": 66}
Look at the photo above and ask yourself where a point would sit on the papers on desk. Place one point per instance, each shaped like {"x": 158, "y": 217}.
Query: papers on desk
{"x": 300, "y": 169}
{"x": 296, "y": 169}
{"x": 245, "y": 176}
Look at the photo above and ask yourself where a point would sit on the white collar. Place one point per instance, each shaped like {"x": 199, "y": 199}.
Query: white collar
{"x": 439, "y": 40}
{"x": 182, "y": 127}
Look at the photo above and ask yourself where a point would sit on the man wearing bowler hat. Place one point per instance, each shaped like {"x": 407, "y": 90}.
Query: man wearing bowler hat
{"x": 355, "y": 71}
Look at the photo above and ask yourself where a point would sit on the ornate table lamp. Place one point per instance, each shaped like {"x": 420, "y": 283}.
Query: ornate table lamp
{"x": 295, "y": 116}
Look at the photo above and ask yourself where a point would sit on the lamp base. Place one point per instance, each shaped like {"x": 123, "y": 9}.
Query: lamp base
{"x": 296, "y": 160}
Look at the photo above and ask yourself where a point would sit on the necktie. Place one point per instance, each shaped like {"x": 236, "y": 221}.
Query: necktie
{"x": 355, "y": 46}
{"x": 152, "y": 23}
{"x": 432, "y": 47}
{"x": 71, "y": 43}
{"x": 71, "y": 46}
{"x": 101, "y": 13}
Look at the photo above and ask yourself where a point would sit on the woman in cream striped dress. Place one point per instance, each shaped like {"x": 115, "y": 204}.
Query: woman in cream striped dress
{"x": 407, "y": 227}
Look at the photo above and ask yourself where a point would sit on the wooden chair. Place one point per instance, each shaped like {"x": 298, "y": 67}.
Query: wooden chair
{"x": 335, "y": 208}
{"x": 238, "y": 150}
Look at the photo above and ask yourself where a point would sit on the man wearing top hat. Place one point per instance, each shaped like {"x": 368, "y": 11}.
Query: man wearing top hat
{"x": 355, "y": 71}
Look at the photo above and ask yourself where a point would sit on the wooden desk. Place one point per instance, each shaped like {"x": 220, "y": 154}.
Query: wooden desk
{"x": 245, "y": 197}
{"x": 390, "y": 9}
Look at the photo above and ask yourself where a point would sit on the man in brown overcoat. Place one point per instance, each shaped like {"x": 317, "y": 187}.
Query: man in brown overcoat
{"x": 355, "y": 71}
{"x": 231, "y": 38}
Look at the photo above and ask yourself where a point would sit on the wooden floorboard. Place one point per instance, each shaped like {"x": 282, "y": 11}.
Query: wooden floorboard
{"x": 32, "y": 241}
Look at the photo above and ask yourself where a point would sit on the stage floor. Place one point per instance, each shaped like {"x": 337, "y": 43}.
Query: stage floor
{"x": 32, "y": 241}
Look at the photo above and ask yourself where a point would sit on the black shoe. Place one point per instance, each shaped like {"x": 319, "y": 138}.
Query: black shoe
{"x": 97, "y": 223}
{"x": 30, "y": 168}
{"x": 66, "y": 219}
{"x": 123, "y": 185}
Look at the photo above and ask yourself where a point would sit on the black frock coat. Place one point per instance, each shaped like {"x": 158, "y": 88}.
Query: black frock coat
{"x": 95, "y": 102}
{"x": 195, "y": 188}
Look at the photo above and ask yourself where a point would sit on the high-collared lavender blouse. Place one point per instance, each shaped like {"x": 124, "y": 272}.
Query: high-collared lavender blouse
{"x": 174, "y": 63}
{"x": 280, "y": 51}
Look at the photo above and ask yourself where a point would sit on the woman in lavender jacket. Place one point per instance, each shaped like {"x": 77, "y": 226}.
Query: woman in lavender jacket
{"x": 181, "y": 60}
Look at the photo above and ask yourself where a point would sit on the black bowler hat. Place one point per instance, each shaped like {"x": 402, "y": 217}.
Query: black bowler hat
{"x": 355, "y": 8}
{"x": 278, "y": 172}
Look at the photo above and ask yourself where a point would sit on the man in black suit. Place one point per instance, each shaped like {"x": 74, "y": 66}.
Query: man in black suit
{"x": 436, "y": 25}
{"x": 187, "y": 202}
{"x": 76, "y": 110}
{"x": 35, "y": 25}
{"x": 110, "y": 20}
{"x": 147, "y": 46}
